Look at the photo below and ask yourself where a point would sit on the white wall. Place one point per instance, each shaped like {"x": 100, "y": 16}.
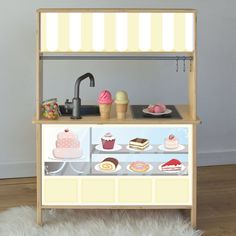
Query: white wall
{"x": 216, "y": 78}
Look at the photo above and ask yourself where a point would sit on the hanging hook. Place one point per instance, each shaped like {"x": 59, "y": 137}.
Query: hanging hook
{"x": 177, "y": 64}
{"x": 184, "y": 66}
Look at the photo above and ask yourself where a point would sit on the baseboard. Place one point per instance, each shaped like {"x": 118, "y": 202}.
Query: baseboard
{"x": 207, "y": 158}
{"x": 17, "y": 170}
{"x": 212, "y": 158}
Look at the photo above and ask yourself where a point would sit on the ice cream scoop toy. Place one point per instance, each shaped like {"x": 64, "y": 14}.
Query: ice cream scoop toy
{"x": 121, "y": 102}
{"x": 157, "y": 108}
{"x": 105, "y": 102}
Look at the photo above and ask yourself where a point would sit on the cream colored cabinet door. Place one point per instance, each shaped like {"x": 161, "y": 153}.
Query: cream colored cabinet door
{"x": 98, "y": 190}
{"x": 60, "y": 190}
{"x": 173, "y": 190}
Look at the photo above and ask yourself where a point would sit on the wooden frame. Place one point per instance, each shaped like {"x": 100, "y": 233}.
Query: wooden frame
{"x": 189, "y": 111}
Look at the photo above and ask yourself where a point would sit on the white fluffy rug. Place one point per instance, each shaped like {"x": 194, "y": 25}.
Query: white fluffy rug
{"x": 20, "y": 221}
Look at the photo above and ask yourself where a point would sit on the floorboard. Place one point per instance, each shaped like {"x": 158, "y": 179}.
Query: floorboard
{"x": 216, "y": 191}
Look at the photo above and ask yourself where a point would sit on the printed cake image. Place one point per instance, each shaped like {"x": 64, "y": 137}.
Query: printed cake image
{"x": 172, "y": 165}
{"x": 171, "y": 142}
{"x": 67, "y": 145}
{"x": 109, "y": 164}
{"x": 108, "y": 141}
{"x": 139, "y": 143}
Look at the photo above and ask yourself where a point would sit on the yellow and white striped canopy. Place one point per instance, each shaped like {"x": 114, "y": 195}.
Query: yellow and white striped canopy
{"x": 117, "y": 32}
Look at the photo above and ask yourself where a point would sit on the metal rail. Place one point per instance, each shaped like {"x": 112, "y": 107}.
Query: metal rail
{"x": 106, "y": 57}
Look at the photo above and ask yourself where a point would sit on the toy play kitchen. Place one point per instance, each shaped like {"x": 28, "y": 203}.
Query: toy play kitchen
{"x": 116, "y": 153}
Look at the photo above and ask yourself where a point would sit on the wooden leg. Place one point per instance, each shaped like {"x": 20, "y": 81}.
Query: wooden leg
{"x": 194, "y": 217}
{"x": 39, "y": 216}
{"x": 39, "y": 174}
{"x": 194, "y": 181}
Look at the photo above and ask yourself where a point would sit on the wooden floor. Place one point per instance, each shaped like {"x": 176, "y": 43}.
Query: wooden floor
{"x": 216, "y": 198}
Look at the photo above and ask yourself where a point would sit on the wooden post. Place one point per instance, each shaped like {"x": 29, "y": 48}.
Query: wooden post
{"x": 194, "y": 179}
{"x": 192, "y": 91}
{"x": 39, "y": 69}
{"x": 39, "y": 173}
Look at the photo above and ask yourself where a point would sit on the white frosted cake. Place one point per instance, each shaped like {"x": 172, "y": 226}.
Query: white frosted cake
{"x": 67, "y": 145}
{"x": 171, "y": 142}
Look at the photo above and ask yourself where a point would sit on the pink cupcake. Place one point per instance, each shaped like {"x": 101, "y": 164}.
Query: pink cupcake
{"x": 108, "y": 141}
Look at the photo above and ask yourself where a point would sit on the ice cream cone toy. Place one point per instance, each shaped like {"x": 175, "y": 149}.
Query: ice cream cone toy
{"x": 121, "y": 102}
{"x": 105, "y": 102}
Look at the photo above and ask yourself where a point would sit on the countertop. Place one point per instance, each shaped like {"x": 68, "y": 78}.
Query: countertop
{"x": 182, "y": 109}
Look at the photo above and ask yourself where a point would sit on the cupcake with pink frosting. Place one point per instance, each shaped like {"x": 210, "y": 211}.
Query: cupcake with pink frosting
{"x": 67, "y": 145}
{"x": 105, "y": 102}
{"x": 108, "y": 141}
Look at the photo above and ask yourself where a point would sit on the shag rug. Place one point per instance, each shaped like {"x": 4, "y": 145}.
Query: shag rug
{"x": 20, "y": 221}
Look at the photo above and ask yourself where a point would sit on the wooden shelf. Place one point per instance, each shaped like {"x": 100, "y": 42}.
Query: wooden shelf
{"x": 182, "y": 109}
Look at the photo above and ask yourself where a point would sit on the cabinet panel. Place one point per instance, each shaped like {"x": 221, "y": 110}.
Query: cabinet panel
{"x": 60, "y": 190}
{"x": 135, "y": 190}
{"x": 97, "y": 190}
{"x": 172, "y": 191}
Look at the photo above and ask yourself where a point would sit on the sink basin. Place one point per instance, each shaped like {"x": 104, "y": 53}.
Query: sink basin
{"x": 86, "y": 110}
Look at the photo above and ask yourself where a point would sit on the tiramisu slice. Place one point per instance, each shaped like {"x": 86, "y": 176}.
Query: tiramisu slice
{"x": 139, "y": 143}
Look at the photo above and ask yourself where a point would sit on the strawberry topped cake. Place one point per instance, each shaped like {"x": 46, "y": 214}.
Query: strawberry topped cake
{"x": 67, "y": 145}
{"x": 171, "y": 142}
{"x": 172, "y": 165}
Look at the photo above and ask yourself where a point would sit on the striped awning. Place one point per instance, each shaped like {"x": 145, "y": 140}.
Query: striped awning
{"x": 117, "y": 32}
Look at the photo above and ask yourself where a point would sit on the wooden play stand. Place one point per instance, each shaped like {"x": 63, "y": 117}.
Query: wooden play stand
{"x": 118, "y": 191}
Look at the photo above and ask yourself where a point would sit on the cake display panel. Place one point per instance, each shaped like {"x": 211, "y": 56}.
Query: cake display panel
{"x": 105, "y": 150}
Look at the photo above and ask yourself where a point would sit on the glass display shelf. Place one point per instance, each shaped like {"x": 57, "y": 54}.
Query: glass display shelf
{"x": 85, "y": 169}
{"x": 152, "y": 149}
{"x": 151, "y": 164}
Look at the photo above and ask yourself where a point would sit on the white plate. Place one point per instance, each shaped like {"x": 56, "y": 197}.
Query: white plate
{"x": 150, "y": 168}
{"x": 116, "y": 147}
{"x": 97, "y": 168}
{"x": 139, "y": 150}
{"x": 179, "y": 148}
{"x": 81, "y": 157}
{"x": 66, "y": 159}
{"x": 168, "y": 111}
{"x": 171, "y": 171}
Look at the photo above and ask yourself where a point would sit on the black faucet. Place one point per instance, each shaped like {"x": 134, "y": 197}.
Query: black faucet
{"x": 76, "y": 101}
